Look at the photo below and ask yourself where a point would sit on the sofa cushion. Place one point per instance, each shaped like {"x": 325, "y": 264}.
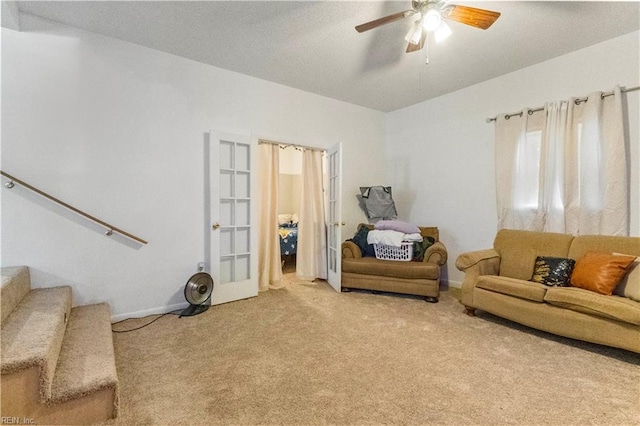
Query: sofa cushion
{"x": 600, "y": 272}
{"x": 604, "y": 244}
{"x": 553, "y": 271}
{"x": 519, "y": 249}
{"x": 513, "y": 287}
{"x": 629, "y": 286}
{"x": 391, "y": 268}
{"x": 517, "y": 262}
{"x": 588, "y": 302}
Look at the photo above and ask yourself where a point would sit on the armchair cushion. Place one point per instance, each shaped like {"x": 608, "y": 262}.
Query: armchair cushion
{"x": 391, "y": 268}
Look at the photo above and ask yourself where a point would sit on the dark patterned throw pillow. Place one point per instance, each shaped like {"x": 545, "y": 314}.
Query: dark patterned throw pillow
{"x": 553, "y": 271}
{"x": 361, "y": 241}
{"x": 420, "y": 248}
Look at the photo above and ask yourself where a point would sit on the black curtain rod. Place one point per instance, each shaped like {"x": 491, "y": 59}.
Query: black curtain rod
{"x": 577, "y": 102}
{"x": 286, "y": 145}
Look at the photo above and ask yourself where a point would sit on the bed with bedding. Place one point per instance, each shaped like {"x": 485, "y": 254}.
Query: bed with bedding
{"x": 288, "y": 238}
{"x": 288, "y": 230}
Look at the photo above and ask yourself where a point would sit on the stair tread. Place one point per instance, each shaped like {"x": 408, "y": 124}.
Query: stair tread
{"x": 16, "y": 283}
{"x": 87, "y": 359}
{"x": 32, "y": 334}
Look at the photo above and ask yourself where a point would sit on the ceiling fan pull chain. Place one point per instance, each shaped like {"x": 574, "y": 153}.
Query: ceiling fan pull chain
{"x": 426, "y": 49}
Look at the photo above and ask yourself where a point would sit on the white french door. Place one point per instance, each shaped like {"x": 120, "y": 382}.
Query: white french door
{"x": 234, "y": 265}
{"x": 334, "y": 216}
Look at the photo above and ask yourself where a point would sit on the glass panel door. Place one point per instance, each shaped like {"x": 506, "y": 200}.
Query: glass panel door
{"x": 334, "y": 217}
{"x": 234, "y": 261}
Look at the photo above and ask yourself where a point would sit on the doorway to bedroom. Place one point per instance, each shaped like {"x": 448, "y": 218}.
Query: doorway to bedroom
{"x": 299, "y": 214}
{"x": 290, "y": 162}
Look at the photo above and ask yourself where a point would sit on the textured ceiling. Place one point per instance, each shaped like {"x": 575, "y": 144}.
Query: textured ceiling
{"x": 312, "y": 45}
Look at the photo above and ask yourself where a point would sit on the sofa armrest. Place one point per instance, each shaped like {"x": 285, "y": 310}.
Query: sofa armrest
{"x": 474, "y": 264}
{"x": 469, "y": 259}
{"x": 350, "y": 250}
{"x": 436, "y": 253}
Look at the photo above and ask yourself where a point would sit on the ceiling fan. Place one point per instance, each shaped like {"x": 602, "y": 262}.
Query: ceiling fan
{"x": 432, "y": 14}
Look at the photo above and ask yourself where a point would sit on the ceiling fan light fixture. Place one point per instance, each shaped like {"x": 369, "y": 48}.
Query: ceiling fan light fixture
{"x": 415, "y": 33}
{"x": 432, "y": 14}
{"x": 431, "y": 19}
{"x": 443, "y": 31}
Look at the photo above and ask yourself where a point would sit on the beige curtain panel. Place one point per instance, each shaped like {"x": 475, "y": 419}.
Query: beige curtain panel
{"x": 311, "y": 261}
{"x": 269, "y": 266}
{"x": 564, "y": 169}
{"x": 517, "y": 142}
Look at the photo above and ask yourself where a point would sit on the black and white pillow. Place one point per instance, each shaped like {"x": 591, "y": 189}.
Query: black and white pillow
{"x": 553, "y": 271}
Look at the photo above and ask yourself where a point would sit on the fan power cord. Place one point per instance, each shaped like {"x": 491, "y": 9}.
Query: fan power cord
{"x": 145, "y": 325}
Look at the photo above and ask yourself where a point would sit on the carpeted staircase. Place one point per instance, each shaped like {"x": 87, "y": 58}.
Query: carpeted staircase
{"x": 58, "y": 363}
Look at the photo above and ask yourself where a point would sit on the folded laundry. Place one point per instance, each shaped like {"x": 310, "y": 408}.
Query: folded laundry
{"x": 386, "y": 237}
{"x": 412, "y": 237}
{"x": 390, "y": 237}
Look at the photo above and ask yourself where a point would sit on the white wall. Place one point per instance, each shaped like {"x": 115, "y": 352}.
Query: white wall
{"x": 289, "y": 181}
{"x": 288, "y": 194}
{"x": 117, "y": 130}
{"x": 441, "y": 151}
{"x": 10, "y": 14}
{"x": 290, "y": 161}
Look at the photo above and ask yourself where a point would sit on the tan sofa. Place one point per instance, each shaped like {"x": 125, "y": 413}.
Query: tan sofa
{"x": 496, "y": 281}
{"x": 418, "y": 278}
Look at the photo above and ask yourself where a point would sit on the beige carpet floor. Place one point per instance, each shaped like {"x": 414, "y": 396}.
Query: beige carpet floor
{"x": 308, "y": 355}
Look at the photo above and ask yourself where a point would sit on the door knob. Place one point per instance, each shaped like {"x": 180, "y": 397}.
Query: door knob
{"x": 215, "y": 226}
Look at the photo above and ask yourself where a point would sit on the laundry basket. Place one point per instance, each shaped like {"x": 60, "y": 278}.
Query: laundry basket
{"x": 403, "y": 253}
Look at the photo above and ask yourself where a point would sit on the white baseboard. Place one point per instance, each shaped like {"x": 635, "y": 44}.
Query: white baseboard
{"x": 454, "y": 284}
{"x": 147, "y": 312}
{"x": 183, "y": 305}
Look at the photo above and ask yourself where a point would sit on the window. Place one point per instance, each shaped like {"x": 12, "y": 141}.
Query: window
{"x": 563, "y": 170}
{"x": 526, "y": 187}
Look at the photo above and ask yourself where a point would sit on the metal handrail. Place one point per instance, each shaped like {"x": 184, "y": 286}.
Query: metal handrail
{"x": 110, "y": 228}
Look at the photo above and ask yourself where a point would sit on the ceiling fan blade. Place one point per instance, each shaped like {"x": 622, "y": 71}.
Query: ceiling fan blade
{"x": 385, "y": 20}
{"x": 415, "y": 47}
{"x": 479, "y": 18}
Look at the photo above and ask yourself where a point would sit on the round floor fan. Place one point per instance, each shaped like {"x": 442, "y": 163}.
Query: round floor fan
{"x": 197, "y": 291}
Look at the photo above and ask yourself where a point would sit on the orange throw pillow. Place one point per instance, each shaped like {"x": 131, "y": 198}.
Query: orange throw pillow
{"x": 600, "y": 272}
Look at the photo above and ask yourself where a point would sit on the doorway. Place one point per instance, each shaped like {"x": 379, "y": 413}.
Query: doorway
{"x": 308, "y": 214}
{"x": 290, "y": 161}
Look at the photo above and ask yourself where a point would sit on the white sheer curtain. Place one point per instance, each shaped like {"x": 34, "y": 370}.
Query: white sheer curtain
{"x": 269, "y": 266}
{"x": 564, "y": 169}
{"x": 311, "y": 259}
{"x": 602, "y": 191}
{"x": 517, "y": 176}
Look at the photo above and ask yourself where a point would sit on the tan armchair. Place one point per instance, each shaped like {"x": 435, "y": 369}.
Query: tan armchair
{"x": 419, "y": 278}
